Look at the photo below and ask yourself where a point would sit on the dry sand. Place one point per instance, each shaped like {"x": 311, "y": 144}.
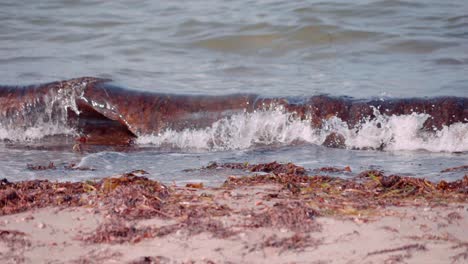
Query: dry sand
{"x": 421, "y": 233}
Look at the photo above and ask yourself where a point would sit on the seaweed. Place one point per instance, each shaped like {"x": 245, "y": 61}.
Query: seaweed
{"x": 196, "y": 223}
{"x": 297, "y": 242}
{"x": 358, "y": 196}
{"x": 459, "y": 168}
{"x": 272, "y": 167}
{"x": 152, "y": 260}
{"x": 417, "y": 247}
{"x": 194, "y": 185}
{"x": 333, "y": 169}
{"x": 463, "y": 254}
{"x": 129, "y": 196}
{"x": 15, "y": 242}
{"x": 117, "y": 231}
{"x": 292, "y": 204}
{"x": 97, "y": 256}
{"x": 50, "y": 166}
{"x": 295, "y": 216}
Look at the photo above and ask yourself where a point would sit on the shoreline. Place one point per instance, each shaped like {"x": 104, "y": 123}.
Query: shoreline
{"x": 281, "y": 215}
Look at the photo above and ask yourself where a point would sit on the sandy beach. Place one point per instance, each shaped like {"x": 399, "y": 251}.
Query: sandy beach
{"x": 277, "y": 215}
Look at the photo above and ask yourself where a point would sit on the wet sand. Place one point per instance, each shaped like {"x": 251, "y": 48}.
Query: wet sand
{"x": 277, "y": 215}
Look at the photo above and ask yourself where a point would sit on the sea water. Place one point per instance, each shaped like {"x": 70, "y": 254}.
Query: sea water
{"x": 363, "y": 49}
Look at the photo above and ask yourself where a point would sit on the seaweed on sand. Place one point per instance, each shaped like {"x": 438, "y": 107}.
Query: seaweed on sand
{"x": 295, "y": 216}
{"x": 359, "y": 195}
{"x": 15, "y": 242}
{"x": 462, "y": 256}
{"x": 21, "y": 196}
{"x": 128, "y": 196}
{"x": 296, "y": 200}
{"x": 296, "y": 242}
{"x": 131, "y": 197}
{"x": 196, "y": 223}
{"x": 117, "y": 231}
{"x": 151, "y": 260}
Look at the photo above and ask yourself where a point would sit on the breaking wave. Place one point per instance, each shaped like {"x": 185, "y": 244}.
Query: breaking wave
{"x": 102, "y": 114}
{"x": 277, "y": 127}
{"x": 35, "y": 133}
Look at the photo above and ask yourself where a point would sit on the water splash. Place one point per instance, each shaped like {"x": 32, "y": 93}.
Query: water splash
{"x": 277, "y": 127}
{"x": 42, "y": 116}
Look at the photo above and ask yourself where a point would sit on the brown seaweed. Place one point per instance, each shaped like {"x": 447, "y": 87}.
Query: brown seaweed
{"x": 293, "y": 204}
{"x": 50, "y": 166}
{"x": 417, "y": 247}
{"x": 459, "y": 168}
{"x": 117, "y": 231}
{"x": 294, "y": 216}
{"x": 296, "y": 242}
{"x": 272, "y": 167}
{"x": 129, "y": 196}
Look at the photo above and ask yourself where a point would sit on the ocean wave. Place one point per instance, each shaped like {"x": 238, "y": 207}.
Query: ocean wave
{"x": 101, "y": 114}
{"x": 248, "y": 130}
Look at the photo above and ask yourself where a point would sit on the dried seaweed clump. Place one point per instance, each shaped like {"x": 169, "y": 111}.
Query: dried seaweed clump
{"x": 128, "y": 196}
{"x": 152, "y": 260}
{"x": 409, "y": 186}
{"x": 272, "y": 167}
{"x": 13, "y": 244}
{"x": 117, "y": 231}
{"x": 197, "y": 222}
{"x": 295, "y": 216}
{"x": 21, "y": 196}
{"x": 131, "y": 197}
{"x": 297, "y": 242}
{"x": 14, "y": 238}
{"x": 359, "y": 195}
{"x": 281, "y": 178}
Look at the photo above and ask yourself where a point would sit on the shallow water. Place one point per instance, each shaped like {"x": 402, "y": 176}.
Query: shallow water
{"x": 184, "y": 167}
{"x": 360, "y": 48}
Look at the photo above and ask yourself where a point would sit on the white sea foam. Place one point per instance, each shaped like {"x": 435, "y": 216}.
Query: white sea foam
{"x": 28, "y": 124}
{"x": 248, "y": 130}
{"x": 36, "y": 132}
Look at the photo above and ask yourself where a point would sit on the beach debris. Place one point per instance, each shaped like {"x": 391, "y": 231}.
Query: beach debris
{"x": 130, "y": 196}
{"x": 297, "y": 242}
{"x": 272, "y": 167}
{"x": 453, "y": 169}
{"x": 453, "y": 217}
{"x": 100, "y": 255}
{"x": 416, "y": 247}
{"x": 462, "y": 256}
{"x": 33, "y": 167}
{"x": 333, "y": 169}
{"x": 291, "y": 201}
{"x": 14, "y": 244}
{"x": 117, "y": 231}
{"x": 194, "y": 185}
{"x": 52, "y": 166}
{"x": 196, "y": 223}
{"x": 152, "y": 260}
{"x": 295, "y": 216}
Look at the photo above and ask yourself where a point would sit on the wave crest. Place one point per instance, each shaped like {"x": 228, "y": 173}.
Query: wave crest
{"x": 243, "y": 131}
